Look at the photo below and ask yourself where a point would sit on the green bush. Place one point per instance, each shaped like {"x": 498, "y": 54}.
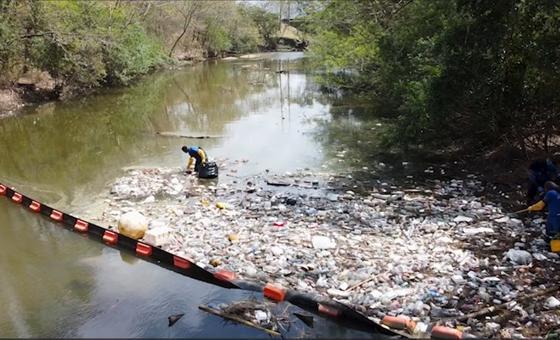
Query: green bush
{"x": 84, "y": 43}
{"x": 218, "y": 39}
{"x": 451, "y": 72}
{"x": 132, "y": 54}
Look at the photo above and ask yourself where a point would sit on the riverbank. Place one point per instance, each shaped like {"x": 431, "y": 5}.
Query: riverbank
{"x": 435, "y": 252}
{"x": 36, "y": 88}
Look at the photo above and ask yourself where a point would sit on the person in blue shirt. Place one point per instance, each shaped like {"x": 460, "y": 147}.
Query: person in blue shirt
{"x": 196, "y": 155}
{"x": 540, "y": 171}
{"x": 552, "y": 202}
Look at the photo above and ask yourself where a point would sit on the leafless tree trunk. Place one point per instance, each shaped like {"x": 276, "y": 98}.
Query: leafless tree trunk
{"x": 192, "y": 7}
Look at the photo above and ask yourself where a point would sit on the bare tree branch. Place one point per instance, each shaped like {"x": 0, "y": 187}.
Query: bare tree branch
{"x": 187, "y": 15}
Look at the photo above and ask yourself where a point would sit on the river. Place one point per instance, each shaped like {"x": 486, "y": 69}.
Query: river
{"x": 56, "y": 283}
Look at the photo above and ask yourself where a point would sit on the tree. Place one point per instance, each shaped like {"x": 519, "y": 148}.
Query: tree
{"x": 82, "y": 43}
{"x": 451, "y": 72}
{"x": 187, "y": 9}
{"x": 265, "y": 22}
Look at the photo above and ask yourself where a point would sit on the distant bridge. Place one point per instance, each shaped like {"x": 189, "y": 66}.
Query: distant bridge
{"x": 291, "y": 37}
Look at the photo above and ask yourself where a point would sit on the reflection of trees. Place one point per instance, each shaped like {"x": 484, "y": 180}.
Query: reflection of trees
{"x": 214, "y": 93}
{"x": 221, "y": 93}
{"x": 81, "y": 138}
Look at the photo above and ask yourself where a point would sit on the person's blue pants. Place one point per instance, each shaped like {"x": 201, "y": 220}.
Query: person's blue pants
{"x": 198, "y": 163}
{"x": 553, "y": 225}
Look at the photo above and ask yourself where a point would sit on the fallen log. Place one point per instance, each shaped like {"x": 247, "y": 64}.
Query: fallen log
{"x": 177, "y": 135}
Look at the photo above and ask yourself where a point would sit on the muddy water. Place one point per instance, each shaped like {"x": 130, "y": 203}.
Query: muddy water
{"x": 54, "y": 283}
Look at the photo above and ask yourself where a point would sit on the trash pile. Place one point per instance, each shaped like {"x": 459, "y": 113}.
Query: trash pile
{"x": 253, "y": 313}
{"x": 437, "y": 253}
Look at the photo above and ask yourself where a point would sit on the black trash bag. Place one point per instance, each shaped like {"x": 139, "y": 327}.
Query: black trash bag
{"x": 208, "y": 170}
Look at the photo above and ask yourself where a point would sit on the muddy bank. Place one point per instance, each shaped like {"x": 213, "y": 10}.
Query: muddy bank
{"x": 436, "y": 252}
{"x": 36, "y": 88}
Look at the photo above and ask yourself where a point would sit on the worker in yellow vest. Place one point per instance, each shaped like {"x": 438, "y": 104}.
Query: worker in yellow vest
{"x": 197, "y": 155}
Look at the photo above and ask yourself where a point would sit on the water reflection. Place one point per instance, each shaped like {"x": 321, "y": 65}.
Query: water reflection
{"x": 42, "y": 284}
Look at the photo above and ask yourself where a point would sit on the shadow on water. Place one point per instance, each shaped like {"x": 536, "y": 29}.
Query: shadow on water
{"x": 56, "y": 283}
{"x": 353, "y": 136}
{"x": 354, "y": 139}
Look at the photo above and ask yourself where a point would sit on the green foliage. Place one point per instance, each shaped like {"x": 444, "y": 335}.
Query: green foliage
{"x": 232, "y": 30}
{"x": 133, "y": 54}
{"x": 245, "y": 34}
{"x": 85, "y": 43}
{"x": 470, "y": 73}
{"x": 9, "y": 46}
{"x": 265, "y": 22}
{"x": 218, "y": 39}
{"x": 501, "y": 80}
